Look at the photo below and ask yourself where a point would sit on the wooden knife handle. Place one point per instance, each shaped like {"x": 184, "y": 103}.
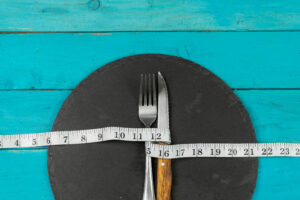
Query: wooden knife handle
{"x": 164, "y": 179}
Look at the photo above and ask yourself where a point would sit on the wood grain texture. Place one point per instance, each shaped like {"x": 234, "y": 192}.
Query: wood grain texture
{"x": 29, "y": 111}
{"x": 148, "y": 15}
{"x": 61, "y": 61}
{"x": 23, "y": 174}
{"x": 164, "y": 178}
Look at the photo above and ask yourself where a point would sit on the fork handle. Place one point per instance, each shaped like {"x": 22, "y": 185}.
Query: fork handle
{"x": 149, "y": 193}
{"x": 164, "y": 179}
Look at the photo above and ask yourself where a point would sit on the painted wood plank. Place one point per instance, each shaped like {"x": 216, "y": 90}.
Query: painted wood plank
{"x": 274, "y": 114}
{"x": 148, "y": 15}
{"x": 29, "y": 111}
{"x": 23, "y": 174}
{"x": 61, "y": 61}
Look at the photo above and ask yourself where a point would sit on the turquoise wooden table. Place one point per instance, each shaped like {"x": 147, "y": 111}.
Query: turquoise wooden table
{"x": 48, "y": 47}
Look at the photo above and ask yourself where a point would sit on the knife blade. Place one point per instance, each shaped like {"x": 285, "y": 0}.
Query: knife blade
{"x": 164, "y": 171}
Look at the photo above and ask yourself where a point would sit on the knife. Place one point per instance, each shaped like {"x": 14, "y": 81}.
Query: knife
{"x": 164, "y": 171}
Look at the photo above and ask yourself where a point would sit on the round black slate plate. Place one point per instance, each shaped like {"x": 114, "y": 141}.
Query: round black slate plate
{"x": 202, "y": 109}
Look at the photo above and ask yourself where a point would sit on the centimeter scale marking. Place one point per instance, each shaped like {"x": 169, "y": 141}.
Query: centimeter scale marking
{"x": 223, "y": 150}
{"x": 84, "y": 136}
{"x": 200, "y": 150}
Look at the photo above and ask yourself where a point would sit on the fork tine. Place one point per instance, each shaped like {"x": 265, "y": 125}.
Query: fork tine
{"x": 149, "y": 90}
{"x": 145, "y": 102}
{"x": 141, "y": 90}
{"x": 154, "y": 90}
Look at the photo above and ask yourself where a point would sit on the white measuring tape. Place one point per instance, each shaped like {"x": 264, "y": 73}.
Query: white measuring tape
{"x": 201, "y": 150}
{"x": 224, "y": 150}
{"x": 84, "y": 137}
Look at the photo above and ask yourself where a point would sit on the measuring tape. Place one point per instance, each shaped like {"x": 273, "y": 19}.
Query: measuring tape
{"x": 223, "y": 150}
{"x": 200, "y": 150}
{"x": 84, "y": 137}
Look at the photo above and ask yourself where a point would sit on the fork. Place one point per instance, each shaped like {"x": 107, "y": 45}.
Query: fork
{"x": 148, "y": 115}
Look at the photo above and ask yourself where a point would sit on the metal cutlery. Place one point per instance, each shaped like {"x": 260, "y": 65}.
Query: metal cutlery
{"x": 148, "y": 115}
{"x": 164, "y": 171}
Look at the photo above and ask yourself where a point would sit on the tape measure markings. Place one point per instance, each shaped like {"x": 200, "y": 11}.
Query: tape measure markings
{"x": 84, "y": 136}
{"x": 201, "y": 150}
{"x": 223, "y": 150}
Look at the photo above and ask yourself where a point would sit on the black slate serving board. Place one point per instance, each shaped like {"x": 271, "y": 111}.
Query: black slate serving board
{"x": 202, "y": 109}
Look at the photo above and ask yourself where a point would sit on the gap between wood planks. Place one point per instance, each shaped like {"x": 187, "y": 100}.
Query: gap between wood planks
{"x": 69, "y": 89}
{"x": 99, "y": 32}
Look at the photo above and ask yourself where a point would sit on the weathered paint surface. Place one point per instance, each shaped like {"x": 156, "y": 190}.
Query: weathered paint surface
{"x": 149, "y": 15}
{"x": 61, "y": 61}
{"x": 252, "y": 45}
